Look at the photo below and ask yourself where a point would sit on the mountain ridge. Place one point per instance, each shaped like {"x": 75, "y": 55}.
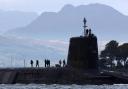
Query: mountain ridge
{"x": 13, "y": 19}
{"x": 67, "y": 23}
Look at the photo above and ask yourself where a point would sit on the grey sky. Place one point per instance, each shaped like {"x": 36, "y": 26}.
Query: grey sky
{"x": 56, "y": 5}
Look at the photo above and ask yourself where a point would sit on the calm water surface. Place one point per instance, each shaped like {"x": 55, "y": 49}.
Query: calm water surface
{"x": 54, "y": 86}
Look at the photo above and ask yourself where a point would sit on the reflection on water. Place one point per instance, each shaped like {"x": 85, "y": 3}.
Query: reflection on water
{"x": 55, "y": 86}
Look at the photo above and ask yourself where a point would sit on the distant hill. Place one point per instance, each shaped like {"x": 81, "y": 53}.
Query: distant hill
{"x": 13, "y": 19}
{"x": 104, "y": 21}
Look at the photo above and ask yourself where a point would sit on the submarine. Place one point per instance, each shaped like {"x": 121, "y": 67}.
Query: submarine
{"x": 82, "y": 67}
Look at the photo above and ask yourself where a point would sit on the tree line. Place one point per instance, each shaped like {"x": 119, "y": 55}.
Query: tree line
{"x": 114, "y": 55}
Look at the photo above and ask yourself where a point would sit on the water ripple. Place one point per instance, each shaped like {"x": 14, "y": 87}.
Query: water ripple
{"x": 56, "y": 86}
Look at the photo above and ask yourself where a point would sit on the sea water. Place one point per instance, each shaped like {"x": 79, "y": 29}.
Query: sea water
{"x": 56, "y": 86}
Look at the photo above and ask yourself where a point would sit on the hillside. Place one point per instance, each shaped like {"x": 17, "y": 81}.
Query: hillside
{"x": 102, "y": 19}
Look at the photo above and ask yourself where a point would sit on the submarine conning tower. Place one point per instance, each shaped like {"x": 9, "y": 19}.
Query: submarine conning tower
{"x": 83, "y": 51}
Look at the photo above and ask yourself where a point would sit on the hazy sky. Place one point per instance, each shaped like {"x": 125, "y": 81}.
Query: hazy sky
{"x": 56, "y": 5}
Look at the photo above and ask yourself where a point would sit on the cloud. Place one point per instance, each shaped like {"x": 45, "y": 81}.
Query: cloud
{"x": 55, "y": 44}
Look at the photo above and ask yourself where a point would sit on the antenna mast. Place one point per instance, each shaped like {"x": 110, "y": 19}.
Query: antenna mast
{"x": 84, "y": 26}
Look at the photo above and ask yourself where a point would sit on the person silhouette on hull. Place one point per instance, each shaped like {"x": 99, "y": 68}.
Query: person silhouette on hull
{"x": 60, "y": 63}
{"x": 64, "y": 63}
{"x": 31, "y": 62}
{"x": 45, "y": 61}
{"x": 37, "y": 63}
{"x": 48, "y": 63}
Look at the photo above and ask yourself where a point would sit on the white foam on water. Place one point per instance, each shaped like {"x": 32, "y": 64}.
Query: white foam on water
{"x": 56, "y": 86}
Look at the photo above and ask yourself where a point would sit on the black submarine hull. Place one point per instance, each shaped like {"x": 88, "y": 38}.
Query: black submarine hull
{"x": 58, "y": 76}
